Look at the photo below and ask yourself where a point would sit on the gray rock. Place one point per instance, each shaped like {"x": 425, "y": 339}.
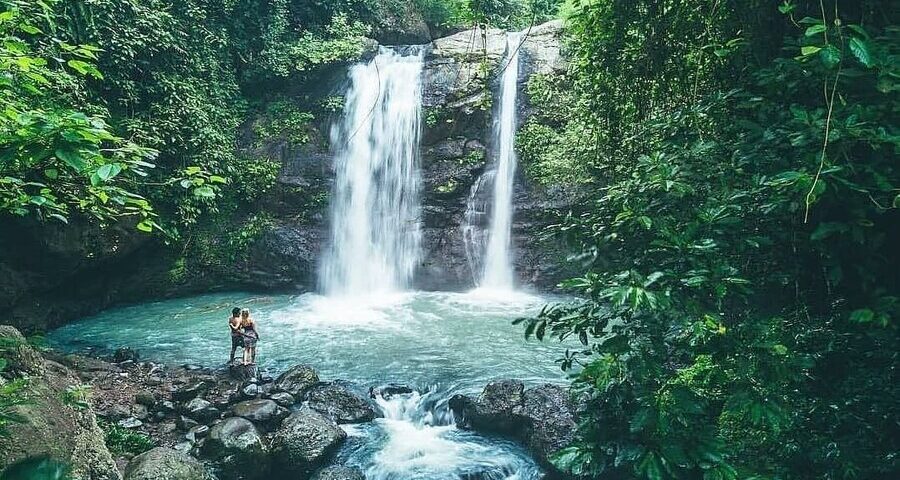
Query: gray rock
{"x": 165, "y": 464}
{"x": 125, "y": 354}
{"x": 296, "y": 380}
{"x": 339, "y": 404}
{"x": 495, "y": 409}
{"x": 168, "y": 427}
{"x": 263, "y": 412}
{"x": 283, "y": 398}
{"x": 185, "y": 423}
{"x": 242, "y": 373}
{"x": 201, "y": 410}
{"x": 145, "y": 398}
{"x": 20, "y": 357}
{"x": 189, "y": 391}
{"x": 544, "y": 417}
{"x": 389, "y": 390}
{"x": 542, "y": 50}
{"x": 129, "y": 422}
{"x": 250, "y": 391}
{"x": 303, "y": 442}
{"x": 140, "y": 412}
{"x": 196, "y": 405}
{"x": 115, "y": 412}
{"x": 196, "y": 433}
{"x": 339, "y": 473}
{"x": 237, "y": 449}
{"x": 552, "y": 417}
{"x": 183, "y": 447}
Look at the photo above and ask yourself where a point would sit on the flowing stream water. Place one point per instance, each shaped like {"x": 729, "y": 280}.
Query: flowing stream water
{"x": 493, "y": 267}
{"x": 367, "y": 327}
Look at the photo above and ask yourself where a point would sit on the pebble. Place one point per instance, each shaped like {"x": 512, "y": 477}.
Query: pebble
{"x": 130, "y": 422}
{"x": 183, "y": 447}
{"x": 168, "y": 427}
{"x": 251, "y": 390}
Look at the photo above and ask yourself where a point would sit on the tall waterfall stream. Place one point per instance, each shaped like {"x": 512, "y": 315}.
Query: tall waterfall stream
{"x": 366, "y": 326}
{"x": 488, "y": 250}
{"x": 375, "y": 209}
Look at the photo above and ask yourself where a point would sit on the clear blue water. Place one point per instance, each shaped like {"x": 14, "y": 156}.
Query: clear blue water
{"x": 457, "y": 340}
{"x": 438, "y": 343}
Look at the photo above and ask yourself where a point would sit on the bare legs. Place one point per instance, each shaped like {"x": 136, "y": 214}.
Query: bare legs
{"x": 249, "y": 355}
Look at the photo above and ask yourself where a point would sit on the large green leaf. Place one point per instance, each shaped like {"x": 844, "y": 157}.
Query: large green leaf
{"x": 860, "y": 49}
{"x": 72, "y": 158}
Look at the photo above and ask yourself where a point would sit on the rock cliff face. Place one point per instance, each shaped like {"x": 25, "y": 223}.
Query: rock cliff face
{"x": 49, "y": 418}
{"x": 51, "y": 274}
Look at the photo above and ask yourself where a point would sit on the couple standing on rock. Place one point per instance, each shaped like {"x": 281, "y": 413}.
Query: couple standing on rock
{"x": 243, "y": 334}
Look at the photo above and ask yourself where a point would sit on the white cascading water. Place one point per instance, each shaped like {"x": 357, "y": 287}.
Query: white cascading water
{"x": 375, "y": 233}
{"x": 418, "y": 440}
{"x": 495, "y": 265}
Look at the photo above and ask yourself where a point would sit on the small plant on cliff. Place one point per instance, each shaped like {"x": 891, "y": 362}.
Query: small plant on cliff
{"x": 78, "y": 396}
{"x": 11, "y": 392}
{"x": 122, "y": 441}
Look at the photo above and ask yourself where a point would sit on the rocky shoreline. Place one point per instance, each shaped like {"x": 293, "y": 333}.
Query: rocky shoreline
{"x": 191, "y": 422}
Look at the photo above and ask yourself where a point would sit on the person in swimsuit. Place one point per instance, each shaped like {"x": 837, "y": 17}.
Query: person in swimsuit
{"x": 237, "y": 337}
{"x": 251, "y": 336}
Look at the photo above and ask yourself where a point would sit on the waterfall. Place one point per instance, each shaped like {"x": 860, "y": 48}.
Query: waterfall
{"x": 495, "y": 265}
{"x": 375, "y": 221}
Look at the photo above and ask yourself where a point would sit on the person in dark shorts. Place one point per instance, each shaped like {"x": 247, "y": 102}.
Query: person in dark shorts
{"x": 237, "y": 336}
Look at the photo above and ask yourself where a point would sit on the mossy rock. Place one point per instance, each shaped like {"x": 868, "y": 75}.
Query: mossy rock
{"x": 51, "y": 426}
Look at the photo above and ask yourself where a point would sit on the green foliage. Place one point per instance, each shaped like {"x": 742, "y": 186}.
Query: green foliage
{"x": 124, "y": 441}
{"x": 552, "y": 144}
{"x": 55, "y": 159}
{"x": 283, "y": 120}
{"x": 739, "y": 302}
{"x": 11, "y": 391}
{"x": 177, "y": 83}
{"x": 474, "y": 157}
{"x": 286, "y": 50}
{"x": 78, "y": 396}
{"x": 510, "y": 14}
{"x": 11, "y": 395}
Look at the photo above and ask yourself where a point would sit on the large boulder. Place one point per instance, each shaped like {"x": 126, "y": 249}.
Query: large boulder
{"x": 551, "y": 415}
{"x": 47, "y": 424}
{"x": 542, "y": 49}
{"x": 339, "y": 472}
{"x": 234, "y": 444}
{"x": 340, "y": 404}
{"x": 20, "y": 357}
{"x": 304, "y": 441}
{"x": 263, "y": 412}
{"x": 455, "y": 76}
{"x": 496, "y": 409}
{"x": 296, "y": 380}
{"x": 543, "y": 417}
{"x": 165, "y": 464}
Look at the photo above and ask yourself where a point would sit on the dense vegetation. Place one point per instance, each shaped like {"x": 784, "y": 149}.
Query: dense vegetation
{"x": 738, "y": 236}
{"x": 740, "y": 239}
